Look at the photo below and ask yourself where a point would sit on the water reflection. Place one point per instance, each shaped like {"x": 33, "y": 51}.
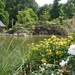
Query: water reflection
{"x": 28, "y": 39}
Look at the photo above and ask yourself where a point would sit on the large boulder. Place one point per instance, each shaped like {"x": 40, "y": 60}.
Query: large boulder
{"x": 49, "y": 30}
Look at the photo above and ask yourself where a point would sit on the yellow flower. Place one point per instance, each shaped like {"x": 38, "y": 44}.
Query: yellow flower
{"x": 48, "y": 51}
{"x": 70, "y": 37}
{"x": 65, "y": 43}
{"x": 43, "y": 55}
{"x": 58, "y": 52}
{"x": 41, "y": 41}
{"x": 47, "y": 43}
{"x": 32, "y": 43}
{"x": 50, "y": 42}
{"x": 43, "y": 60}
{"x": 45, "y": 39}
{"x": 37, "y": 45}
{"x": 53, "y": 36}
{"x": 49, "y": 39}
{"x": 68, "y": 40}
{"x": 61, "y": 43}
{"x": 41, "y": 44}
{"x": 62, "y": 38}
{"x": 35, "y": 48}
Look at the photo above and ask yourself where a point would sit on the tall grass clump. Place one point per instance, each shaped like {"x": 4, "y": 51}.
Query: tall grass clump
{"x": 13, "y": 57}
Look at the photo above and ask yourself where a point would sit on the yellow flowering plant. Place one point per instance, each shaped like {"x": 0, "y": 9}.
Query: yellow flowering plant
{"x": 50, "y": 51}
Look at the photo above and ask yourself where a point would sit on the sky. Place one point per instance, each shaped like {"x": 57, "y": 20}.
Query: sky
{"x": 42, "y": 2}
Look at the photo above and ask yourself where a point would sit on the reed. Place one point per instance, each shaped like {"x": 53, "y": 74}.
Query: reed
{"x": 13, "y": 57}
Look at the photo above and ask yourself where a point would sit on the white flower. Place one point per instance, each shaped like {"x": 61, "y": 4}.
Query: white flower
{"x": 44, "y": 64}
{"x": 39, "y": 66}
{"x": 71, "y": 50}
{"x": 62, "y": 63}
{"x": 42, "y": 69}
{"x": 52, "y": 74}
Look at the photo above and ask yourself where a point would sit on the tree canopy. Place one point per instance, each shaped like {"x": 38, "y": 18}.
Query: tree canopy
{"x": 13, "y": 9}
{"x": 13, "y": 6}
{"x": 55, "y": 11}
{"x": 4, "y": 16}
{"x": 26, "y": 16}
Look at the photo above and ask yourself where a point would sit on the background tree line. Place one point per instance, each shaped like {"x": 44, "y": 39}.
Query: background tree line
{"x": 28, "y": 11}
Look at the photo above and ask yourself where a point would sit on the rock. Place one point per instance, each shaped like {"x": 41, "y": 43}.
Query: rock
{"x": 49, "y": 30}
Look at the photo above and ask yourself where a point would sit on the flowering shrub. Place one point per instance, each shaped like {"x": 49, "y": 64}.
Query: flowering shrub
{"x": 51, "y": 51}
{"x": 70, "y": 62}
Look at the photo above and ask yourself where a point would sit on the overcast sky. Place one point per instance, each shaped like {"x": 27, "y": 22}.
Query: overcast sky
{"x": 42, "y": 2}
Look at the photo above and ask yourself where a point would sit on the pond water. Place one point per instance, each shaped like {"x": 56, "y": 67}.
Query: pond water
{"x": 28, "y": 39}
{"x": 19, "y": 40}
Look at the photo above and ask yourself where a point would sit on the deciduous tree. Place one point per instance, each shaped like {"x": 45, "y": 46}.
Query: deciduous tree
{"x": 13, "y": 6}
{"x": 26, "y": 16}
{"x": 4, "y": 16}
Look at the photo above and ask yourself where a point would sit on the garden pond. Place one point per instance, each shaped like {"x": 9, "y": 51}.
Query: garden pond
{"x": 28, "y": 40}
{"x": 19, "y": 40}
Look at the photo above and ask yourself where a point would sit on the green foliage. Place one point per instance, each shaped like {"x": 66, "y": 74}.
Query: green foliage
{"x": 71, "y": 1}
{"x": 43, "y": 9}
{"x": 56, "y": 21}
{"x": 27, "y": 16}
{"x": 70, "y": 10}
{"x": 4, "y": 16}
{"x": 2, "y": 5}
{"x": 55, "y": 11}
{"x": 51, "y": 11}
{"x": 17, "y": 5}
{"x": 45, "y": 16}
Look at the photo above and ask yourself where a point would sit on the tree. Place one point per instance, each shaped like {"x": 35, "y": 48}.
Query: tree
{"x": 13, "y": 6}
{"x": 4, "y": 16}
{"x": 45, "y": 16}
{"x": 55, "y": 11}
{"x": 45, "y": 8}
{"x": 71, "y": 1}
{"x": 70, "y": 10}
{"x": 26, "y": 16}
